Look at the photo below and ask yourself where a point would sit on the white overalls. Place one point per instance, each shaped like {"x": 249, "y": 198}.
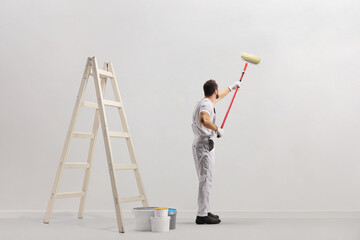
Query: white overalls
{"x": 204, "y": 154}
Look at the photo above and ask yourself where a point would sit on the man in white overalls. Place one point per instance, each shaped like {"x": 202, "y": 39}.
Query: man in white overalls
{"x": 204, "y": 128}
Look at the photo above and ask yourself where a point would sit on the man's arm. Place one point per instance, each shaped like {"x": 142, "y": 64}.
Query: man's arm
{"x": 206, "y": 122}
{"x": 222, "y": 94}
{"x": 225, "y": 92}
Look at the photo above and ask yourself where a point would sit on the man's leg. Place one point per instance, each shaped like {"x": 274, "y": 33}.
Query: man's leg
{"x": 204, "y": 162}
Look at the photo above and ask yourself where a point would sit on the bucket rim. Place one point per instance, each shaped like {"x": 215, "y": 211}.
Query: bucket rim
{"x": 144, "y": 208}
{"x": 161, "y": 209}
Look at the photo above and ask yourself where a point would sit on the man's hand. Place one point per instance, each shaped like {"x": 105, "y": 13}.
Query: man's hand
{"x": 219, "y": 132}
{"x": 235, "y": 85}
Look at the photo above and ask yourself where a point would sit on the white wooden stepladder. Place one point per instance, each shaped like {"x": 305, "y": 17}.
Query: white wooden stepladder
{"x": 100, "y": 78}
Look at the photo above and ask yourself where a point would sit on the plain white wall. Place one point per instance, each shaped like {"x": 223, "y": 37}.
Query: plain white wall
{"x": 291, "y": 140}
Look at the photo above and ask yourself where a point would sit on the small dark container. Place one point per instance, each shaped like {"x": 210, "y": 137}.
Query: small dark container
{"x": 172, "y": 214}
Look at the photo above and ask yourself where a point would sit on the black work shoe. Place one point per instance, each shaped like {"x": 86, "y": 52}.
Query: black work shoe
{"x": 207, "y": 220}
{"x": 212, "y": 215}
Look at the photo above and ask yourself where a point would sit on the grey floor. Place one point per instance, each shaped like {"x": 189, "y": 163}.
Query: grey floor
{"x": 104, "y": 227}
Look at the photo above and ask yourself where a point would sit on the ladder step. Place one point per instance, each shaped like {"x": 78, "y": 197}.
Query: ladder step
{"x": 125, "y": 166}
{"x": 118, "y": 134}
{"x": 76, "y": 165}
{"x": 104, "y": 73}
{"x": 112, "y": 103}
{"x": 70, "y": 194}
{"x": 89, "y": 104}
{"x": 82, "y": 135}
{"x": 132, "y": 199}
{"x": 106, "y": 102}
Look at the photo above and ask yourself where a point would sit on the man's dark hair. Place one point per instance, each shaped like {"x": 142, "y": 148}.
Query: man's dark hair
{"x": 209, "y": 87}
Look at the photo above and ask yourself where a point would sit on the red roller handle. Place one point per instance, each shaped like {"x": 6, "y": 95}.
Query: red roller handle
{"x": 232, "y": 100}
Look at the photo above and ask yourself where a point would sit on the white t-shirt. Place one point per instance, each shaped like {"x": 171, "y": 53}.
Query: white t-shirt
{"x": 204, "y": 105}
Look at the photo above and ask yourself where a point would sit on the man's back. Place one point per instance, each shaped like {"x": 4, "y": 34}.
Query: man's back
{"x": 204, "y": 105}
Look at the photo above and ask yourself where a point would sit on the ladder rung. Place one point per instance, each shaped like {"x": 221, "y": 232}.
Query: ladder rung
{"x": 82, "y": 135}
{"x": 89, "y": 104}
{"x": 132, "y": 199}
{"x": 112, "y": 103}
{"x": 104, "y": 73}
{"x": 70, "y": 194}
{"x": 125, "y": 166}
{"x": 118, "y": 134}
{"x": 77, "y": 165}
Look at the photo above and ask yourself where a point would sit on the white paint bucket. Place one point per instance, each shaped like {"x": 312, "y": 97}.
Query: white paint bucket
{"x": 142, "y": 218}
{"x": 161, "y": 212}
{"x": 160, "y": 224}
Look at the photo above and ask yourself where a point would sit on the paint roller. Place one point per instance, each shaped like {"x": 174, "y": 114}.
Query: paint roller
{"x": 248, "y": 58}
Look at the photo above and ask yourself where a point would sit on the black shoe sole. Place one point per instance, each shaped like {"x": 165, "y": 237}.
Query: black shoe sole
{"x": 207, "y": 223}
{"x": 210, "y": 223}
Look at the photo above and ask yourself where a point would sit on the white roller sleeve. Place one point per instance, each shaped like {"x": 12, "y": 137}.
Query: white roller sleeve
{"x": 250, "y": 58}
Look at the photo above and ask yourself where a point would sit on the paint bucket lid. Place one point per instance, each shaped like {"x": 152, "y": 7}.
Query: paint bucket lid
{"x": 144, "y": 208}
{"x": 172, "y": 210}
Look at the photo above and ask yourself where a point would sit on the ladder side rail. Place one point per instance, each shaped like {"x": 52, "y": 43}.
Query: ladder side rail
{"x": 67, "y": 141}
{"x": 107, "y": 147}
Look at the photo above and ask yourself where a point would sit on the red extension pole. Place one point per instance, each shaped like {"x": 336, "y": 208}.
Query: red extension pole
{"x": 232, "y": 100}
